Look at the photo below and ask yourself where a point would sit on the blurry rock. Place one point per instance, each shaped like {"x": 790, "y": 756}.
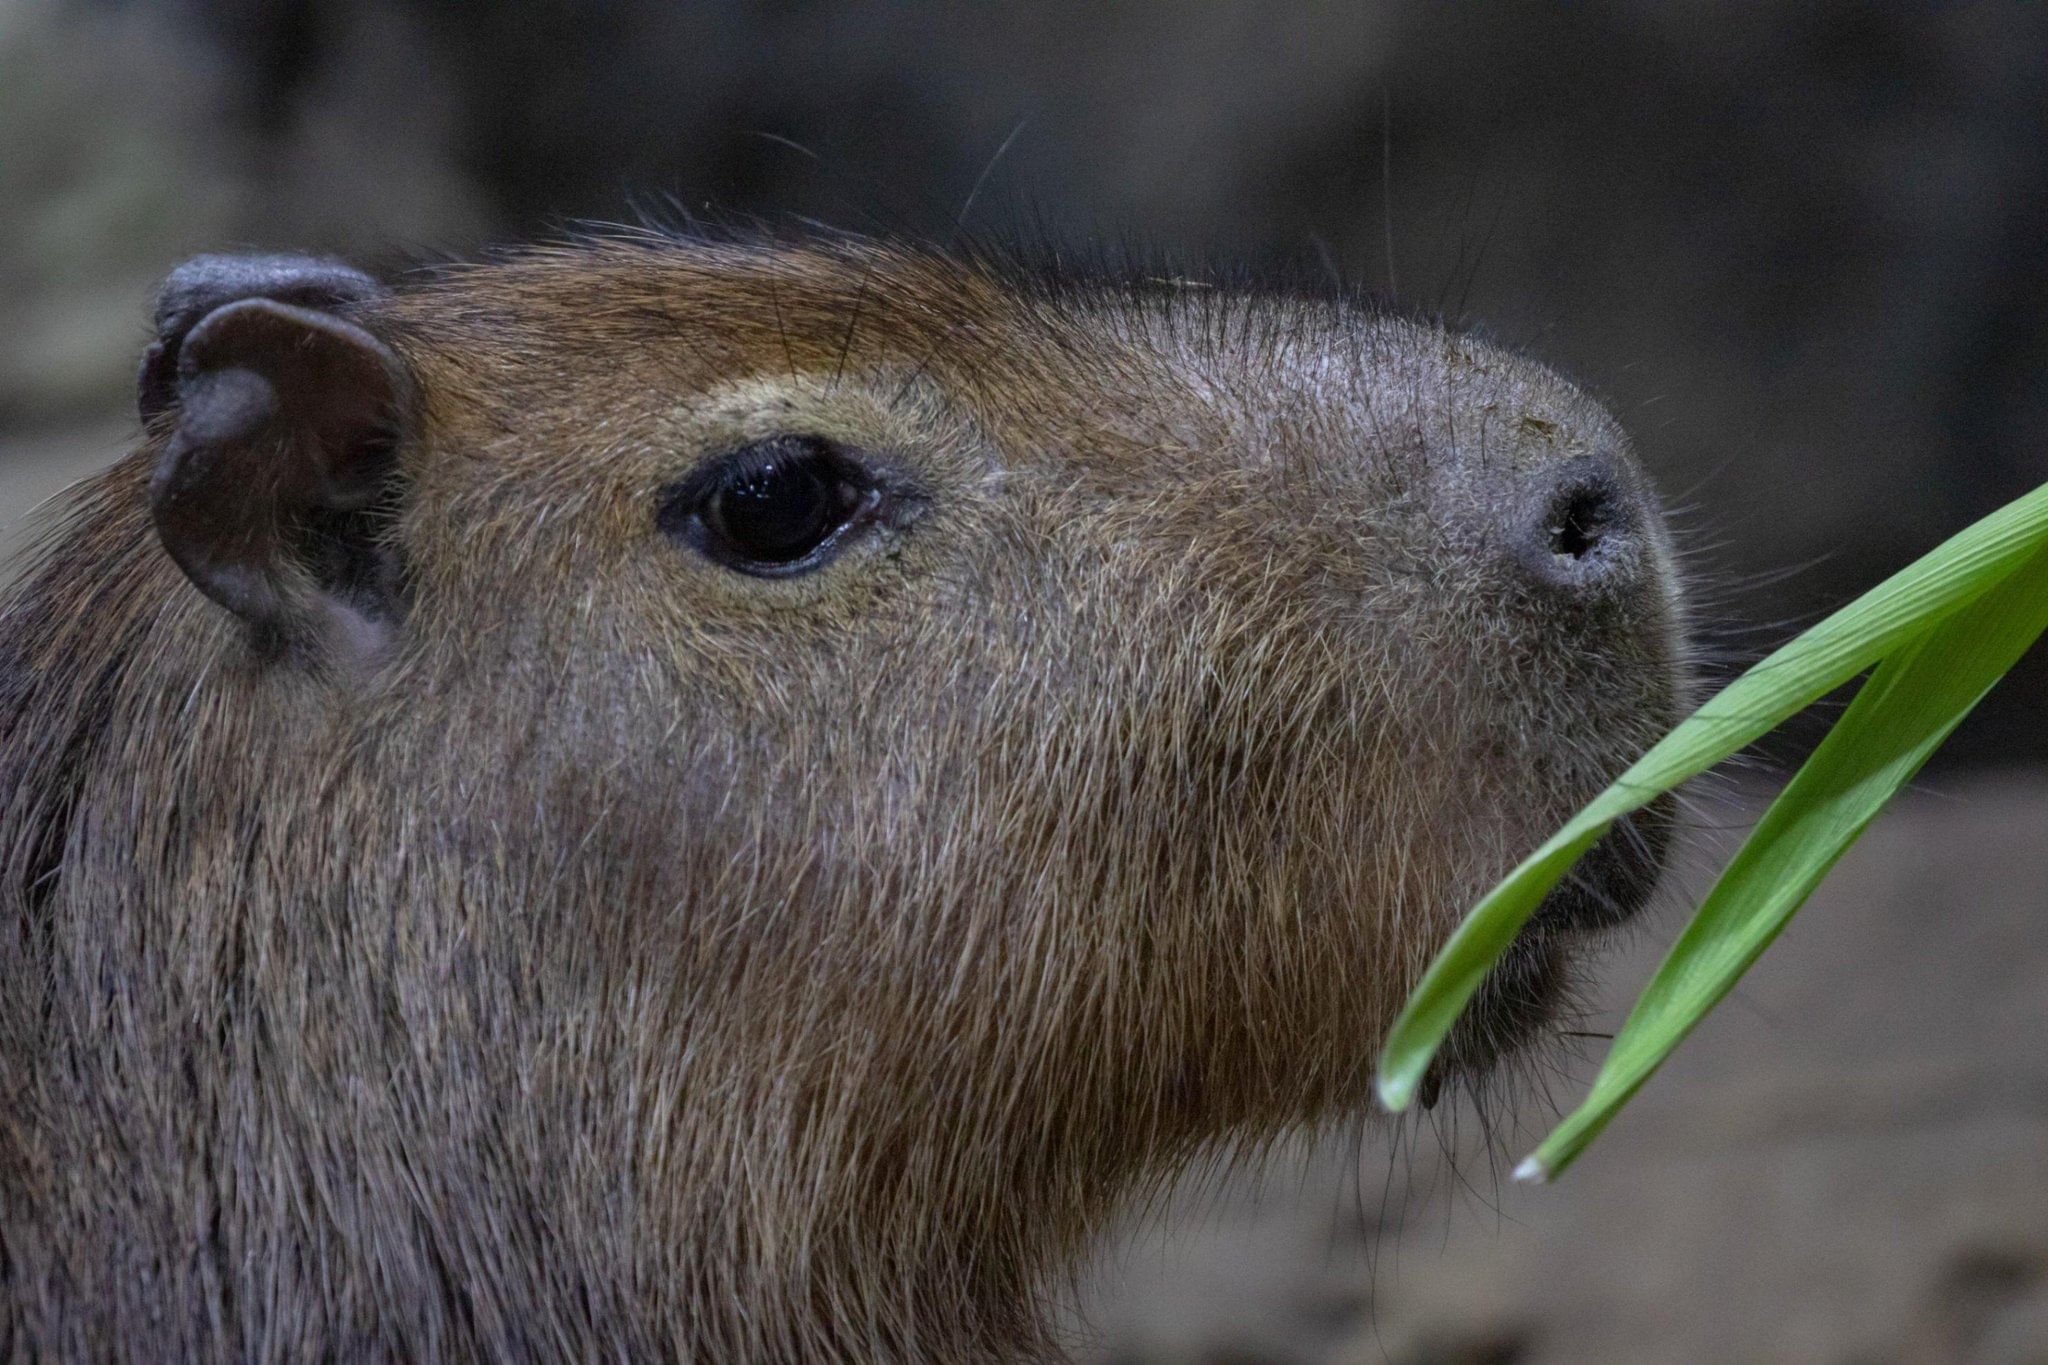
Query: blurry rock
{"x": 111, "y": 163}
{"x": 348, "y": 115}
{"x": 126, "y": 144}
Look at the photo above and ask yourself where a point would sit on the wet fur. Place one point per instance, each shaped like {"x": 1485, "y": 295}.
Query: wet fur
{"x": 645, "y": 962}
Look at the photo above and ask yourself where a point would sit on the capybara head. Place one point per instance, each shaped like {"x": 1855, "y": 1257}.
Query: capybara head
{"x": 720, "y": 800}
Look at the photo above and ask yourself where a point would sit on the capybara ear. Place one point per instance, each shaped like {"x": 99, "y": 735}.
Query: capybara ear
{"x": 205, "y": 283}
{"x": 275, "y": 488}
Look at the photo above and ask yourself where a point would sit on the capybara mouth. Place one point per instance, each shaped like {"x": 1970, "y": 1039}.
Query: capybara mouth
{"x": 1605, "y": 889}
{"x": 1615, "y": 879}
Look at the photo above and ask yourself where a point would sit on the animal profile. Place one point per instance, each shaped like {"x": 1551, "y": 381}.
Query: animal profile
{"x": 727, "y": 800}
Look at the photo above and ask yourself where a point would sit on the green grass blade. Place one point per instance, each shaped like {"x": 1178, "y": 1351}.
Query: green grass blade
{"x": 1815, "y": 663}
{"x": 1898, "y": 719}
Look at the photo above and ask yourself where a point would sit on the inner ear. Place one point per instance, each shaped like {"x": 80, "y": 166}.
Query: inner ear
{"x": 275, "y": 491}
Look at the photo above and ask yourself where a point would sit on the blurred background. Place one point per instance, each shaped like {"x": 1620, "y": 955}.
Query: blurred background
{"x": 1798, "y": 247}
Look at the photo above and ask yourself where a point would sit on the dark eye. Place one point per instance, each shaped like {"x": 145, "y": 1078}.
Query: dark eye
{"x": 774, "y": 508}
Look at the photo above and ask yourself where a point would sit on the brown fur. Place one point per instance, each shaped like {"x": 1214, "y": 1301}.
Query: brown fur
{"x": 644, "y": 961}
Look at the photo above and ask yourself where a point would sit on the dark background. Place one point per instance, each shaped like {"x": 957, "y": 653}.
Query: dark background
{"x": 1798, "y": 247}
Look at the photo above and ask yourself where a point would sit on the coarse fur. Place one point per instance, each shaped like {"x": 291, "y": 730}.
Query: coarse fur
{"x": 639, "y": 960}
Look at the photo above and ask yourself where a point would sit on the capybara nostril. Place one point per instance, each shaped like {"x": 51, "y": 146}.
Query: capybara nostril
{"x": 1579, "y": 521}
{"x": 1584, "y": 532}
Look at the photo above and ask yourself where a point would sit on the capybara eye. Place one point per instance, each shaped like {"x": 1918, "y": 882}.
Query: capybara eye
{"x": 774, "y": 508}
